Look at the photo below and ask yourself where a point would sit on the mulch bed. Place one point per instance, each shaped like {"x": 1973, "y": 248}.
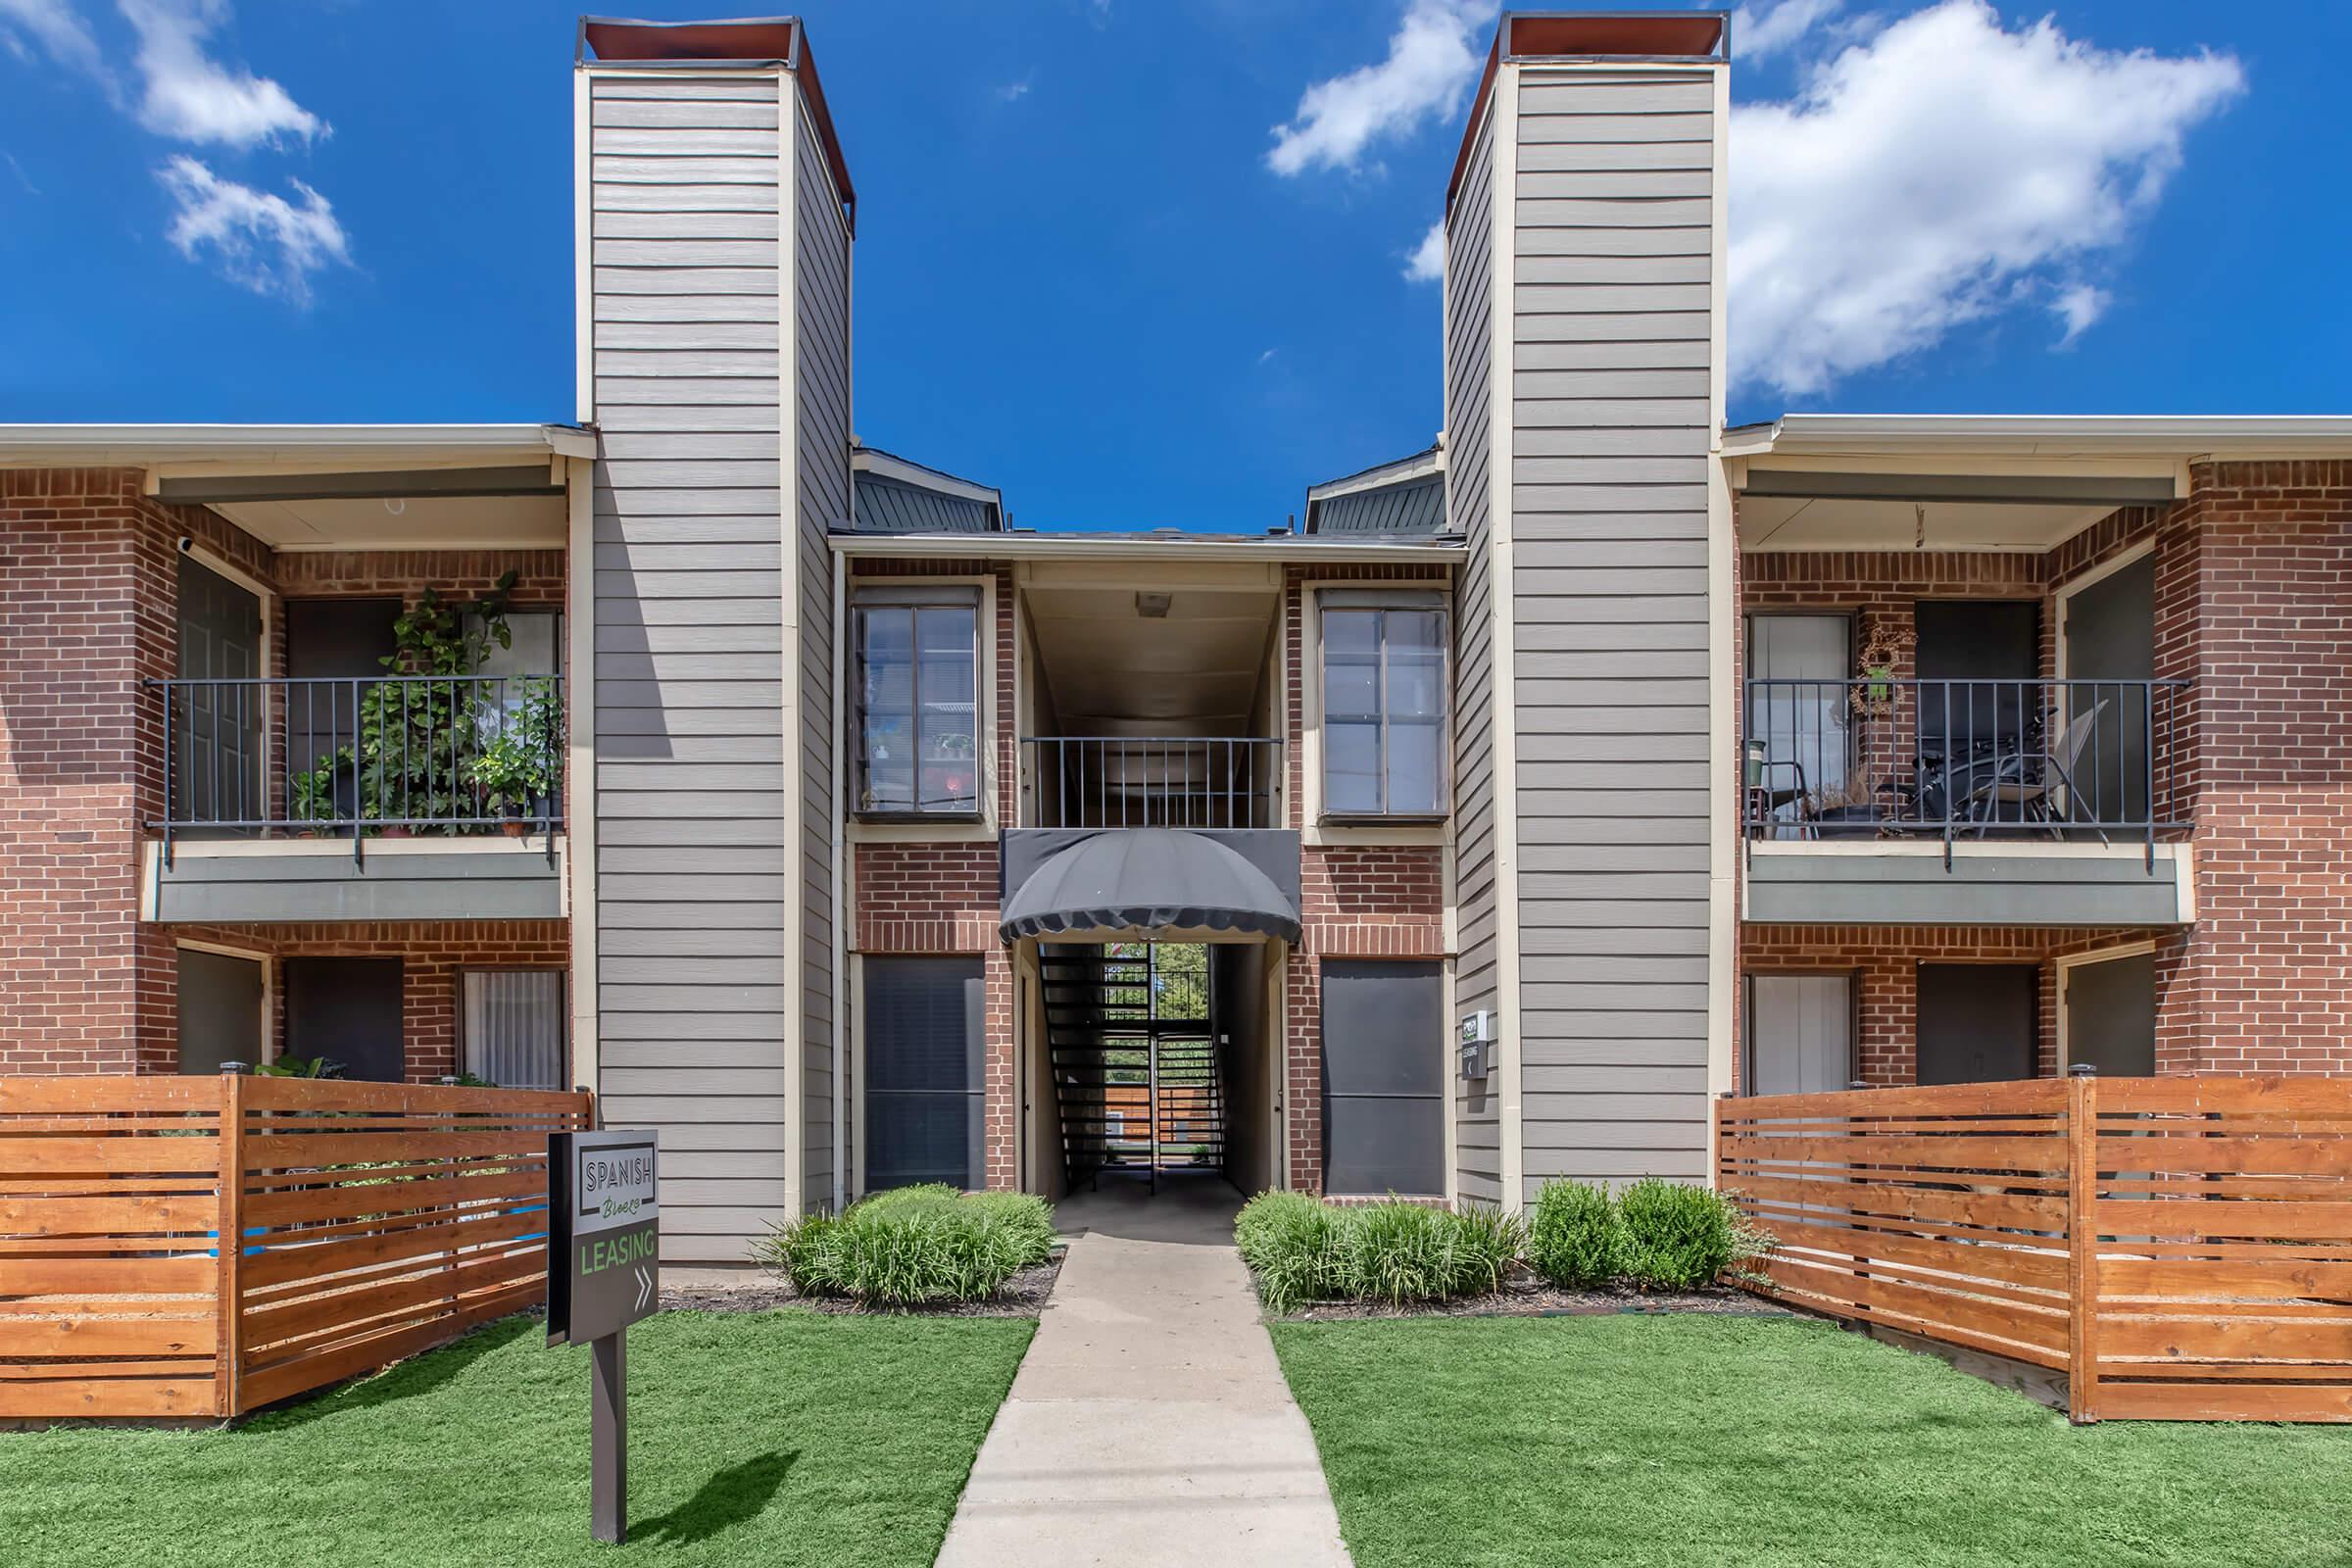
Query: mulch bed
{"x": 1529, "y": 1297}
{"x": 1022, "y": 1296}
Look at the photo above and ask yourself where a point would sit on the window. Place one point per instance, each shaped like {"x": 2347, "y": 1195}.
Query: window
{"x": 1384, "y": 705}
{"x": 1385, "y": 1056}
{"x": 513, "y": 1023}
{"x": 349, "y": 1010}
{"x": 918, "y": 729}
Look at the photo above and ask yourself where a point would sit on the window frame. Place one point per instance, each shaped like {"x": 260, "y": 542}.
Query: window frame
{"x": 913, "y": 596}
{"x": 563, "y": 1063}
{"x": 1432, "y": 599}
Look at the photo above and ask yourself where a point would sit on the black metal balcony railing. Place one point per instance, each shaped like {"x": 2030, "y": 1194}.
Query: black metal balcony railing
{"x": 1126, "y": 781}
{"x": 361, "y": 756}
{"x": 1866, "y": 757}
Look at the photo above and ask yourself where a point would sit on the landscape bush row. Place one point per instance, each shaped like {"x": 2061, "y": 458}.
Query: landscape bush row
{"x": 1655, "y": 1236}
{"x": 913, "y": 1246}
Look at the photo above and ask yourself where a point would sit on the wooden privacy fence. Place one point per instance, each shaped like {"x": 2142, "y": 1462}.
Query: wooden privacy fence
{"x": 367, "y": 1222}
{"x": 2180, "y": 1247}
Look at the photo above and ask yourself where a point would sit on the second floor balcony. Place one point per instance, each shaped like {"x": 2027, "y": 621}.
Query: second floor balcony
{"x": 358, "y": 798}
{"x": 1107, "y": 781}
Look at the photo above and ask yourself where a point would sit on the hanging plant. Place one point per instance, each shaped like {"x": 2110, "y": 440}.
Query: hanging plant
{"x": 1883, "y": 649}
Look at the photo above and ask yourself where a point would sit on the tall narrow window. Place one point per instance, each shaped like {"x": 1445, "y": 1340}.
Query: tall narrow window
{"x": 514, "y": 1027}
{"x": 923, "y": 1072}
{"x": 1384, "y": 705}
{"x": 919, "y": 730}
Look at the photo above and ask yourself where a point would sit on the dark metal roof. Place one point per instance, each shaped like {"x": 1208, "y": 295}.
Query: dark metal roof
{"x": 1142, "y": 879}
{"x": 891, "y": 494}
{"x": 1404, "y": 496}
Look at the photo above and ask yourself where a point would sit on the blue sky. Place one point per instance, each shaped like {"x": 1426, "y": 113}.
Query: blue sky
{"x": 1088, "y": 270}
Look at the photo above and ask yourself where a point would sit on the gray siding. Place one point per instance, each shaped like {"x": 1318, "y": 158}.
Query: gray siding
{"x": 693, "y": 864}
{"x": 1609, "y": 414}
{"x": 2021, "y": 889}
{"x": 822, "y": 337}
{"x": 1415, "y": 507}
{"x": 1469, "y": 376}
{"x": 512, "y": 880}
{"x": 885, "y": 506}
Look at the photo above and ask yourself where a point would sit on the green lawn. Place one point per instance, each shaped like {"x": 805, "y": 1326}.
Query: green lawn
{"x": 1690, "y": 1440}
{"x": 772, "y": 1438}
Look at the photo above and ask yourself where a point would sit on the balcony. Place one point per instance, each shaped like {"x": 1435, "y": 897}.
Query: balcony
{"x": 2000, "y": 802}
{"x": 398, "y": 797}
{"x": 1098, "y": 781}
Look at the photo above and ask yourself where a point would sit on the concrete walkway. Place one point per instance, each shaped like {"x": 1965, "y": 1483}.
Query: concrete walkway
{"x": 1150, "y": 1423}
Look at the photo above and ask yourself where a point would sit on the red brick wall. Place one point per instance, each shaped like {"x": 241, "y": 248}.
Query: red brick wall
{"x": 432, "y": 952}
{"x": 88, "y": 609}
{"x": 2269, "y": 965}
{"x": 1885, "y": 962}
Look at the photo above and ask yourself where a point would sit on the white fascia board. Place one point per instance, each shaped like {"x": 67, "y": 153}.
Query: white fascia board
{"x": 1042, "y": 547}
{"x": 2049, "y": 435}
{"x": 310, "y": 447}
{"x": 1418, "y": 467}
{"x": 883, "y": 465}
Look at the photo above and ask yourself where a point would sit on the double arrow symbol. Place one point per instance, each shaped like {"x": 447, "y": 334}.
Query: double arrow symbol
{"x": 645, "y": 1287}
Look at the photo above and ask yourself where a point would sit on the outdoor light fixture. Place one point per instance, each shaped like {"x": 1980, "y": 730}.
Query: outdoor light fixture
{"x": 1154, "y": 606}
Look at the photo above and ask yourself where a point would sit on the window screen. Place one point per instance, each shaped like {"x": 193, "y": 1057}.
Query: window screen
{"x": 514, "y": 1027}
{"x": 923, "y": 1084}
{"x": 1385, "y": 1059}
{"x": 1384, "y": 712}
{"x": 919, "y": 730}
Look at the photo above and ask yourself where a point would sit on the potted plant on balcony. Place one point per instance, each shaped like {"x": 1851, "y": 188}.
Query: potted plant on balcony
{"x": 418, "y": 738}
{"x": 517, "y": 767}
{"x": 315, "y": 793}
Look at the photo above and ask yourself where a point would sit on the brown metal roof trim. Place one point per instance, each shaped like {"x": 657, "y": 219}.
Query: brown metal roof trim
{"x": 763, "y": 40}
{"x": 1573, "y": 35}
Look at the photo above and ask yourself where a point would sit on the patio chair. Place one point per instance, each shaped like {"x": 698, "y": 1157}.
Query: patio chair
{"x": 2029, "y": 780}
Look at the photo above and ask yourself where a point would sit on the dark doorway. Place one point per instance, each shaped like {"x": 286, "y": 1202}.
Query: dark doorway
{"x": 1993, "y": 642}
{"x": 1976, "y": 1022}
{"x": 2111, "y": 1015}
{"x": 217, "y": 724}
{"x": 1384, "y": 1077}
{"x": 348, "y": 1010}
{"x": 924, "y": 1055}
{"x": 2111, "y": 636}
{"x": 332, "y": 641}
{"x": 220, "y": 1010}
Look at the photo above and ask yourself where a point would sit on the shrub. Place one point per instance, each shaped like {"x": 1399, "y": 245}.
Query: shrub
{"x": 913, "y": 1245}
{"x": 1677, "y": 1237}
{"x": 1576, "y": 1239}
{"x": 1301, "y": 1250}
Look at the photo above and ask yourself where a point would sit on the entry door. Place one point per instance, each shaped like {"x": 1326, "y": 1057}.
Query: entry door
{"x": 924, "y": 1084}
{"x": 1800, "y": 1033}
{"x": 348, "y": 1009}
{"x": 1803, "y": 725}
{"x": 2111, "y": 1015}
{"x": 1385, "y": 1061}
{"x": 217, "y": 730}
{"x": 1991, "y": 649}
{"x": 330, "y": 641}
{"x": 220, "y": 1010}
{"x": 1976, "y": 1022}
{"x": 2111, "y": 636}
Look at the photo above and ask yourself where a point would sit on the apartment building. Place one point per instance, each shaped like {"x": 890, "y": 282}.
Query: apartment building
{"x": 1537, "y": 787}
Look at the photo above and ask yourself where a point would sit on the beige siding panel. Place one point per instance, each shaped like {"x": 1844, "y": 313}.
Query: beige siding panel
{"x": 1611, "y": 416}
{"x": 686, "y": 564}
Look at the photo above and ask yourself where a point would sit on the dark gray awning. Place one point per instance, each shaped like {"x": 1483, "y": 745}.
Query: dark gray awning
{"x": 1144, "y": 878}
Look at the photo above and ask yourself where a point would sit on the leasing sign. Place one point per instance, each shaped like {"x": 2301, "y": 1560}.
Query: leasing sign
{"x": 604, "y": 1272}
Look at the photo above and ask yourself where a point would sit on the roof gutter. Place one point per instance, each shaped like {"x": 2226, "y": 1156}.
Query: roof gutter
{"x": 2047, "y": 435}
{"x": 1176, "y": 547}
{"x": 140, "y": 444}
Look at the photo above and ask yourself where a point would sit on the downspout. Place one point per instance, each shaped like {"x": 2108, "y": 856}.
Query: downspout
{"x": 840, "y": 903}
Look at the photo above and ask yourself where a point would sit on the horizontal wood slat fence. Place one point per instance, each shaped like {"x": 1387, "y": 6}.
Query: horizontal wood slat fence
{"x": 2180, "y": 1247}
{"x": 370, "y": 1221}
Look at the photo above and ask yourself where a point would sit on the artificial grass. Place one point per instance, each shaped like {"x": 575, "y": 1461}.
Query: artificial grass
{"x": 753, "y": 1437}
{"x": 1689, "y": 1440}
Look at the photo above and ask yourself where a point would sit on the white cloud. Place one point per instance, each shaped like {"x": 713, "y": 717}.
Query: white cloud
{"x": 1938, "y": 174}
{"x": 1430, "y": 67}
{"x": 1267, "y": 355}
{"x": 1757, "y": 33}
{"x": 55, "y": 25}
{"x": 190, "y": 96}
{"x": 1013, "y": 91}
{"x": 262, "y": 241}
{"x": 1427, "y": 263}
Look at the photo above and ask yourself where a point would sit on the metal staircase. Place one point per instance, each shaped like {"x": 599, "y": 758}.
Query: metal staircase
{"x": 1133, "y": 1090}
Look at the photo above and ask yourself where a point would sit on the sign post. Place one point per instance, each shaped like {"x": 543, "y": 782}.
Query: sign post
{"x": 603, "y": 1274}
